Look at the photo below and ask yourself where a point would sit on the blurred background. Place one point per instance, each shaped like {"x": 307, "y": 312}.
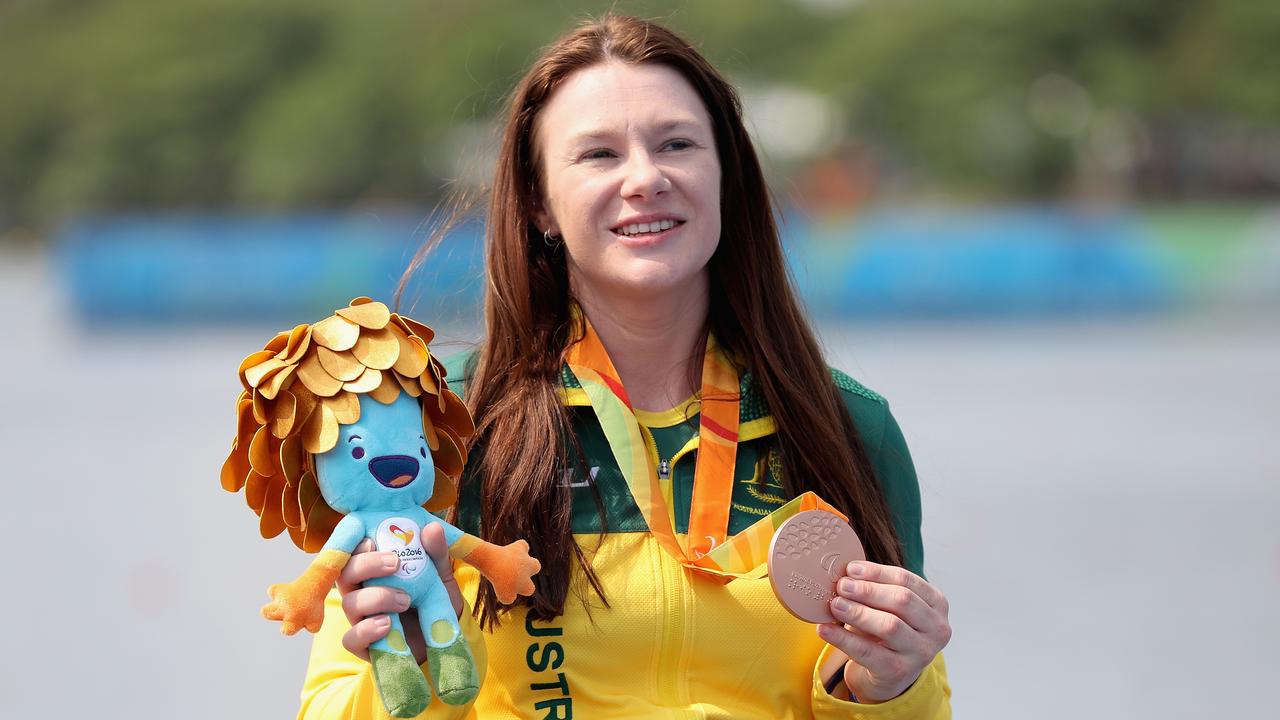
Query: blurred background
{"x": 1049, "y": 233}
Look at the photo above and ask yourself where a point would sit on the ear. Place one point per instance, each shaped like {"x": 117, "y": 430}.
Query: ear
{"x": 542, "y": 217}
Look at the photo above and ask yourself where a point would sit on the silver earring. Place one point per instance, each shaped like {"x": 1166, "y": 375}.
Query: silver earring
{"x": 551, "y": 241}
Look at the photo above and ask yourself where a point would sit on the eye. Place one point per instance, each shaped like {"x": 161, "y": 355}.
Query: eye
{"x": 597, "y": 154}
{"x": 679, "y": 144}
{"x": 357, "y": 452}
{"x": 423, "y": 452}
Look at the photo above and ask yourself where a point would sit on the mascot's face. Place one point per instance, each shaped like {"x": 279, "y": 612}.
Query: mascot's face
{"x": 381, "y": 462}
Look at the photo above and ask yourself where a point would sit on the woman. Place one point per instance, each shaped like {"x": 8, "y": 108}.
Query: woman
{"x": 634, "y": 263}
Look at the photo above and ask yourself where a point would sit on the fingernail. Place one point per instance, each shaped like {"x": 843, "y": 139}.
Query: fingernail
{"x": 403, "y": 599}
{"x": 842, "y": 605}
{"x": 847, "y": 586}
{"x": 825, "y": 632}
{"x": 390, "y": 561}
{"x": 381, "y": 622}
{"x": 856, "y": 569}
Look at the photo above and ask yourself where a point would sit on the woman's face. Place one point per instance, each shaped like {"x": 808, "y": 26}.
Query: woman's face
{"x": 631, "y": 179}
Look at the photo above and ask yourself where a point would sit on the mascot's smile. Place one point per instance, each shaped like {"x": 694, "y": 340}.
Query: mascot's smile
{"x": 394, "y": 471}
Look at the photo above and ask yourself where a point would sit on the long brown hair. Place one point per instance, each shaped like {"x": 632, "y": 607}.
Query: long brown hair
{"x": 523, "y": 437}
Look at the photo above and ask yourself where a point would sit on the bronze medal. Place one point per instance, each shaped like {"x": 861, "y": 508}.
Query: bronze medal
{"x": 807, "y": 556}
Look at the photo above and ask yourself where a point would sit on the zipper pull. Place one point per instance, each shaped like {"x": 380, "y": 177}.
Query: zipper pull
{"x": 664, "y": 470}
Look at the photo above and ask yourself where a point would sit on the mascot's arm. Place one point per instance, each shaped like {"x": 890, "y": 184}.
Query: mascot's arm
{"x": 300, "y": 604}
{"x": 509, "y": 568}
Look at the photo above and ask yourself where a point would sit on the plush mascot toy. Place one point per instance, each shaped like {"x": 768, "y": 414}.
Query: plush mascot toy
{"x": 346, "y": 431}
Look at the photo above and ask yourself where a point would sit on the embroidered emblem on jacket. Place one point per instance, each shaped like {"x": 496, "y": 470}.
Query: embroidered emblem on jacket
{"x": 764, "y": 486}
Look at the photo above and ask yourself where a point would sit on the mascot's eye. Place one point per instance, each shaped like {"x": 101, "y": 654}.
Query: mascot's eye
{"x": 422, "y": 452}
{"x": 357, "y": 452}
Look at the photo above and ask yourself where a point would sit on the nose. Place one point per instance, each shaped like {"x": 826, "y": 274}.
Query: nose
{"x": 394, "y": 471}
{"x": 644, "y": 179}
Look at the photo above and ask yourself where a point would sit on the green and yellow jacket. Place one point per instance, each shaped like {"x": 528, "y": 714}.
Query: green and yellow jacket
{"x": 671, "y": 644}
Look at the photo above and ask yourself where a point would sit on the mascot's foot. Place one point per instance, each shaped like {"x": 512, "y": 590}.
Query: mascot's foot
{"x": 400, "y": 682}
{"x": 453, "y": 671}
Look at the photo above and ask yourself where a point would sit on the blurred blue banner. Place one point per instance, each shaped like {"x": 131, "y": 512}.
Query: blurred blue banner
{"x": 1007, "y": 262}
{"x": 981, "y": 262}
{"x": 236, "y": 269}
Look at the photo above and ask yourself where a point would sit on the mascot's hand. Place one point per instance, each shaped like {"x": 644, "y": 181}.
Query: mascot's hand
{"x": 295, "y": 606}
{"x": 300, "y": 604}
{"x": 510, "y": 568}
{"x": 524, "y": 567}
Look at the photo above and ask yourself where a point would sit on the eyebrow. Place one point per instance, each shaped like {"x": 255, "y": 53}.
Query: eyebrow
{"x": 354, "y": 437}
{"x": 662, "y": 127}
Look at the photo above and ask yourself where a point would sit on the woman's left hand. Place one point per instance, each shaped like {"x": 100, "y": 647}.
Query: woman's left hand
{"x": 891, "y": 624}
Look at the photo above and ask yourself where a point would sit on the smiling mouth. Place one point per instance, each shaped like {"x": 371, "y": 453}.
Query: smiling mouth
{"x": 646, "y": 230}
{"x": 394, "y": 471}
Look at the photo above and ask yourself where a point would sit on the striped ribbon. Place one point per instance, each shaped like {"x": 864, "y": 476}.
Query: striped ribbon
{"x": 705, "y": 548}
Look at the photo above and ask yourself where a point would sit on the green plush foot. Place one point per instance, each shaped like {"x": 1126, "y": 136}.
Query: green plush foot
{"x": 400, "y": 682}
{"x": 453, "y": 671}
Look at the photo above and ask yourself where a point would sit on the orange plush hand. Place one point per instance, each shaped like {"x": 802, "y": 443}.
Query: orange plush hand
{"x": 300, "y": 603}
{"x": 510, "y": 568}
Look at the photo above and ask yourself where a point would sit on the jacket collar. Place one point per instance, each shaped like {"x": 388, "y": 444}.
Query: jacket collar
{"x": 754, "y": 420}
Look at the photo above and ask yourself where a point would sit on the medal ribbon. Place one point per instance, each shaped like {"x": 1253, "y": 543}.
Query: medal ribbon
{"x": 705, "y": 548}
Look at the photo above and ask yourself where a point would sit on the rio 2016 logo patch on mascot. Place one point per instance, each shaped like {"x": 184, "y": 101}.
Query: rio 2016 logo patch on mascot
{"x": 401, "y": 536}
{"x": 346, "y": 431}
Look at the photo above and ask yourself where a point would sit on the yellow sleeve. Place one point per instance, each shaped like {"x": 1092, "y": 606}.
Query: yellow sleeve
{"x": 928, "y": 699}
{"x": 340, "y": 685}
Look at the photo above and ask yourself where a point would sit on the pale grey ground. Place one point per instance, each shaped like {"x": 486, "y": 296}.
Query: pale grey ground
{"x": 1101, "y": 505}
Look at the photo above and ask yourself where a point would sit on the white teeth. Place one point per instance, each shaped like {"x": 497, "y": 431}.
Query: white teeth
{"x": 637, "y": 228}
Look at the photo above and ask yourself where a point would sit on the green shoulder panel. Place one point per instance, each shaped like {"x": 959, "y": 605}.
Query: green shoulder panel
{"x": 601, "y": 478}
{"x": 754, "y": 407}
{"x": 897, "y": 475}
{"x": 887, "y": 450}
{"x": 848, "y": 384}
{"x": 867, "y": 408}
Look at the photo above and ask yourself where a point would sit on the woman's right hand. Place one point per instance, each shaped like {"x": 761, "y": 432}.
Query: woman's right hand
{"x": 367, "y": 608}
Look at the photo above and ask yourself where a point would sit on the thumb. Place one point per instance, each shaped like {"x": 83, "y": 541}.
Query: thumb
{"x": 433, "y": 542}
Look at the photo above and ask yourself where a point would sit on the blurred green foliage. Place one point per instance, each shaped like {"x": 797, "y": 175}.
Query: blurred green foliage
{"x": 145, "y": 104}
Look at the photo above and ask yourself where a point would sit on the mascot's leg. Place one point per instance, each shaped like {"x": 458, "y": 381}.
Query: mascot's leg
{"x": 399, "y": 679}
{"x": 453, "y": 670}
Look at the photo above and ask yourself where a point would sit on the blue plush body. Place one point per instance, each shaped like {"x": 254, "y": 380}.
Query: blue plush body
{"x": 379, "y": 474}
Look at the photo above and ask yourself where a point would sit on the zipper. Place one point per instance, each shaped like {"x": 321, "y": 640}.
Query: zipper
{"x": 674, "y": 609}
{"x": 672, "y": 630}
{"x": 669, "y": 611}
{"x": 689, "y": 447}
{"x": 652, "y": 447}
{"x": 666, "y": 469}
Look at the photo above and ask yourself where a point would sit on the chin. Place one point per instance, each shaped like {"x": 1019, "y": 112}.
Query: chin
{"x": 644, "y": 277}
{"x": 641, "y": 274}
